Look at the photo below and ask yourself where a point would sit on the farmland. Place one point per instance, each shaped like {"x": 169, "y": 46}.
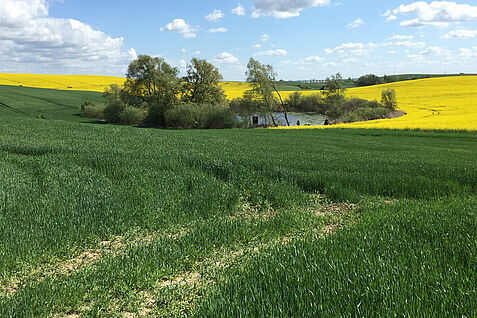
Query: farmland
{"x": 442, "y": 103}
{"x": 116, "y": 221}
{"x": 102, "y": 220}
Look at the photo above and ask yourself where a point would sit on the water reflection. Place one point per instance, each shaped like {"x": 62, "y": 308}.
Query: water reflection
{"x": 304, "y": 119}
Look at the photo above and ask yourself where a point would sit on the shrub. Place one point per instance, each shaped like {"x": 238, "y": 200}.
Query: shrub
{"x": 85, "y": 104}
{"x": 389, "y": 98}
{"x": 185, "y": 115}
{"x": 220, "y": 118}
{"x": 113, "y": 110}
{"x": 312, "y": 103}
{"x": 363, "y": 114}
{"x": 96, "y": 112}
{"x": 132, "y": 116}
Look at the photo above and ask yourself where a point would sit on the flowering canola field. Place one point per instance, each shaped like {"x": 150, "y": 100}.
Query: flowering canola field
{"x": 434, "y": 103}
{"x": 64, "y": 82}
{"x": 92, "y": 82}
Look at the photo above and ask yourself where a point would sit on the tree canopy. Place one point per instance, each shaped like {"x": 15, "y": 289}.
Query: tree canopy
{"x": 265, "y": 88}
{"x": 151, "y": 80}
{"x": 202, "y": 83}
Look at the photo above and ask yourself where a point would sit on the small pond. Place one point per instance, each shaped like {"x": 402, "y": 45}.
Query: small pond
{"x": 304, "y": 118}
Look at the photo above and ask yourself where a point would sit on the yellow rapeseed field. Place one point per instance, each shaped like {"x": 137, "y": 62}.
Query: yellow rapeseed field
{"x": 434, "y": 103}
{"x": 63, "y": 82}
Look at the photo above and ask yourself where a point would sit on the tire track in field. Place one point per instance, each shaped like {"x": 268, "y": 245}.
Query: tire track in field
{"x": 12, "y": 109}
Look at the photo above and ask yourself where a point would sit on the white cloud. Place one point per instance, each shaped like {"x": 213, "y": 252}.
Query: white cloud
{"x": 215, "y": 16}
{"x": 257, "y": 46}
{"x": 183, "y": 51}
{"x": 304, "y": 62}
{"x": 355, "y": 24}
{"x": 265, "y": 37}
{"x": 400, "y": 37}
{"x": 468, "y": 53}
{"x": 328, "y": 64}
{"x": 225, "y": 58}
{"x": 31, "y": 40}
{"x": 460, "y": 34}
{"x": 311, "y": 59}
{"x": 389, "y": 16}
{"x": 239, "y": 10}
{"x": 217, "y": 30}
{"x": 436, "y": 51}
{"x": 436, "y": 13}
{"x": 278, "y": 52}
{"x": 182, "y": 27}
{"x": 282, "y": 9}
{"x": 410, "y": 44}
{"x": 197, "y": 52}
{"x": 352, "y": 49}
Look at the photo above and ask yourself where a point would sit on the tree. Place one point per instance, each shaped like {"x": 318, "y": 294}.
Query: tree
{"x": 294, "y": 101}
{"x": 264, "y": 86}
{"x": 389, "y": 98}
{"x": 334, "y": 89}
{"x": 368, "y": 80}
{"x": 152, "y": 81}
{"x": 202, "y": 83}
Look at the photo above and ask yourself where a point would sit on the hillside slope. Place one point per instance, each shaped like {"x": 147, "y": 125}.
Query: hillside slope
{"x": 448, "y": 103}
{"x": 45, "y": 103}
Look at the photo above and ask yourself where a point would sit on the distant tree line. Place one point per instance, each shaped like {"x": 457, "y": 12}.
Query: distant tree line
{"x": 371, "y": 79}
{"x": 154, "y": 95}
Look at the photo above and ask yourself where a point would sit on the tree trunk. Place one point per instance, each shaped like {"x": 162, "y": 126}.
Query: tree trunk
{"x": 284, "y": 110}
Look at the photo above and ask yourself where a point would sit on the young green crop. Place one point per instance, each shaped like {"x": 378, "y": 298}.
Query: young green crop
{"x": 105, "y": 220}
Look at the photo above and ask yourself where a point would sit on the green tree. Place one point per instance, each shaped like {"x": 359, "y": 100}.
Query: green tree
{"x": 334, "y": 89}
{"x": 294, "y": 101}
{"x": 152, "y": 81}
{"x": 368, "y": 80}
{"x": 202, "y": 83}
{"x": 264, "y": 86}
{"x": 389, "y": 98}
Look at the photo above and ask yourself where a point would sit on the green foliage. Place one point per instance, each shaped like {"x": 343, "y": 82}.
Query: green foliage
{"x": 96, "y": 112}
{"x": 152, "y": 81}
{"x": 190, "y": 115}
{"x": 202, "y": 83}
{"x": 368, "y": 80}
{"x": 264, "y": 87}
{"x": 219, "y": 118}
{"x": 132, "y": 116}
{"x": 334, "y": 89}
{"x": 355, "y": 109}
{"x": 306, "y": 103}
{"x": 184, "y": 115}
{"x": 86, "y": 104}
{"x": 389, "y": 99}
{"x": 363, "y": 114}
{"x": 113, "y": 111}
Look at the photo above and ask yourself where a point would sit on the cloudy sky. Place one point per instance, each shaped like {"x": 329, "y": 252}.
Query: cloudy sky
{"x": 302, "y": 39}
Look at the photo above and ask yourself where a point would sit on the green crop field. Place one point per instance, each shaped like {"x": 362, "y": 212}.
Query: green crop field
{"x": 116, "y": 221}
{"x": 45, "y": 103}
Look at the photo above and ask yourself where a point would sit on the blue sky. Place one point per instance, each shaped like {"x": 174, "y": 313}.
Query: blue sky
{"x": 302, "y": 39}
